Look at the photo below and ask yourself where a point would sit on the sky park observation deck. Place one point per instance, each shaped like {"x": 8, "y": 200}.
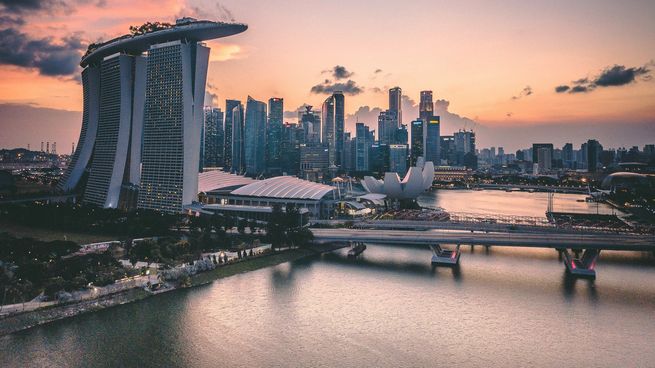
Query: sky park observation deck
{"x": 143, "y": 97}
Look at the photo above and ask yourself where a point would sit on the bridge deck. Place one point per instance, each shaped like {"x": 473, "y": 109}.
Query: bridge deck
{"x": 535, "y": 240}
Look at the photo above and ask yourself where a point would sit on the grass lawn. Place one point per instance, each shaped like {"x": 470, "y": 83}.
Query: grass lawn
{"x": 21, "y": 231}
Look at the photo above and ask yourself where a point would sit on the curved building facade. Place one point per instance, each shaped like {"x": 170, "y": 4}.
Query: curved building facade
{"x": 143, "y": 116}
{"x": 417, "y": 180}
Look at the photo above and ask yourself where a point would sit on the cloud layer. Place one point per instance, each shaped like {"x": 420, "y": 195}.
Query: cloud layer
{"x": 614, "y": 76}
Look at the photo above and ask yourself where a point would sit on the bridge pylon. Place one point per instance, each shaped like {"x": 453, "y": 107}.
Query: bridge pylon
{"x": 444, "y": 257}
{"x": 583, "y": 267}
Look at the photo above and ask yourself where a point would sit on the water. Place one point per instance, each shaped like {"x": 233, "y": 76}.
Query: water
{"x": 504, "y": 307}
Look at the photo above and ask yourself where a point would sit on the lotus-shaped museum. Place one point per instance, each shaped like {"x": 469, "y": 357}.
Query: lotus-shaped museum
{"x": 417, "y": 180}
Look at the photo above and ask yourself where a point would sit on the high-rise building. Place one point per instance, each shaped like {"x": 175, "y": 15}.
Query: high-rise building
{"x": 229, "y": 133}
{"x": 212, "y": 138}
{"x": 544, "y": 159}
{"x": 255, "y": 137}
{"x": 175, "y": 92}
{"x": 447, "y": 146}
{"x": 238, "y": 141}
{"x": 310, "y": 121}
{"x": 293, "y": 136}
{"x": 314, "y": 162}
{"x": 120, "y": 116}
{"x": 274, "y": 131}
{"x": 417, "y": 141}
{"x": 387, "y": 126}
{"x": 567, "y": 156}
{"x": 426, "y": 107}
{"x": 465, "y": 154}
{"x": 143, "y": 115}
{"x": 432, "y": 140}
{"x": 363, "y": 141}
{"x": 593, "y": 152}
{"x": 339, "y": 125}
{"x": 537, "y": 146}
{"x": 395, "y": 105}
{"x": 329, "y": 128}
{"x": 348, "y": 153}
{"x": 378, "y": 158}
{"x": 398, "y": 158}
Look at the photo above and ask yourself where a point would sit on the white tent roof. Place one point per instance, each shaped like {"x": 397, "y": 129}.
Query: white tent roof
{"x": 215, "y": 180}
{"x": 284, "y": 187}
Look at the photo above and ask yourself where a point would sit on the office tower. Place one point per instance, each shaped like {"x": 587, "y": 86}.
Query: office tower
{"x": 593, "y": 152}
{"x": 54, "y": 148}
{"x": 238, "y": 145}
{"x": 401, "y": 136}
{"x": 310, "y": 121}
{"x": 213, "y": 137}
{"x": 348, "y": 153}
{"x": 47, "y": 150}
{"x": 395, "y": 105}
{"x": 537, "y": 146}
{"x": 387, "y": 126}
{"x": 255, "y": 137}
{"x": 314, "y": 162}
{"x": 363, "y": 140}
{"x": 447, "y": 146}
{"x": 398, "y": 158}
{"x": 432, "y": 140}
{"x": 520, "y": 155}
{"x": 544, "y": 159}
{"x": 143, "y": 115}
{"x": 339, "y": 125}
{"x": 122, "y": 89}
{"x": 227, "y": 141}
{"x": 567, "y": 156}
{"x": 426, "y": 107}
{"x": 378, "y": 159}
{"x": 42, "y": 143}
{"x": 293, "y": 135}
{"x": 417, "y": 141}
{"x": 465, "y": 154}
{"x": 274, "y": 139}
{"x": 329, "y": 128}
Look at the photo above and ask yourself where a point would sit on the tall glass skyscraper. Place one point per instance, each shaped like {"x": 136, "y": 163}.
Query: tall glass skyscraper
{"x": 426, "y": 106}
{"x": 432, "y": 140}
{"x": 227, "y": 145}
{"x": 255, "y": 137}
{"x": 329, "y": 129}
{"x": 274, "y": 139}
{"x": 238, "y": 146}
{"x": 212, "y": 138}
{"x": 417, "y": 141}
{"x": 339, "y": 126}
{"x": 395, "y": 105}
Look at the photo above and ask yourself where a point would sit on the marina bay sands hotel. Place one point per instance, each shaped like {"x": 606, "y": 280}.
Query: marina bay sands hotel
{"x": 143, "y": 114}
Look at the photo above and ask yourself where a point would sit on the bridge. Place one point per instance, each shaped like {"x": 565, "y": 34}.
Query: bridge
{"x": 589, "y": 243}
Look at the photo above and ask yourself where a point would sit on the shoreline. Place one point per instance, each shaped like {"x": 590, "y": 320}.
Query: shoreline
{"x": 24, "y": 321}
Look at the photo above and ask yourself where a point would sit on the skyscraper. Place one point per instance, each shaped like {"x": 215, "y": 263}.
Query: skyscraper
{"x": 175, "y": 92}
{"x": 593, "y": 152}
{"x": 426, "y": 107}
{"x": 310, "y": 121}
{"x": 229, "y": 134}
{"x": 329, "y": 129}
{"x": 363, "y": 140}
{"x": 398, "y": 158}
{"x": 238, "y": 145}
{"x": 339, "y": 125}
{"x": 120, "y": 117}
{"x": 417, "y": 140}
{"x": 432, "y": 140}
{"x": 395, "y": 104}
{"x": 274, "y": 139}
{"x": 143, "y": 116}
{"x": 387, "y": 126}
{"x": 255, "y": 137}
{"x": 212, "y": 138}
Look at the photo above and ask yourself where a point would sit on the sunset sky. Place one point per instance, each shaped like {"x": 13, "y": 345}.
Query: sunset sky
{"x": 495, "y": 64}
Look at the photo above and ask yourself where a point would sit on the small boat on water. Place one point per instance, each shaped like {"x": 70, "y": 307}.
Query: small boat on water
{"x": 356, "y": 249}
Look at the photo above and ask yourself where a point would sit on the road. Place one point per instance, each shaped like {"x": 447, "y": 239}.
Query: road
{"x": 535, "y": 240}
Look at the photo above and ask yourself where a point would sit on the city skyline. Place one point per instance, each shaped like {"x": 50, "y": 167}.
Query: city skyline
{"x": 508, "y": 98}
